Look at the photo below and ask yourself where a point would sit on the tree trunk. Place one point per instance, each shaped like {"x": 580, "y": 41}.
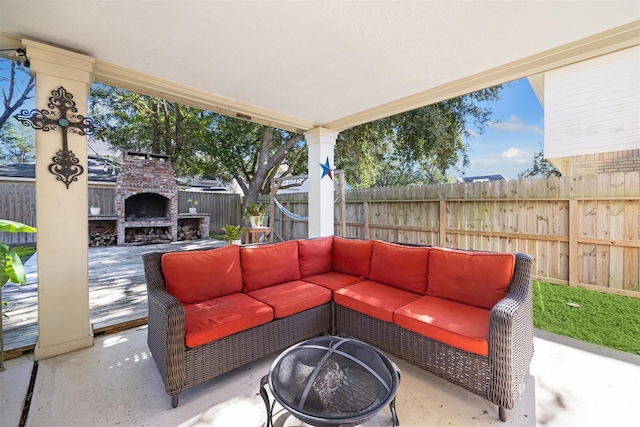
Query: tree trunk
{"x": 267, "y": 163}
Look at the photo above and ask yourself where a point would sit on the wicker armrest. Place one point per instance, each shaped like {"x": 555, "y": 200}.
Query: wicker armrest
{"x": 166, "y": 330}
{"x": 511, "y": 337}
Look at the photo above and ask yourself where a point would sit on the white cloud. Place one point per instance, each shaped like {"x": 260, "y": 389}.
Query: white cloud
{"x": 509, "y": 163}
{"x": 514, "y": 124}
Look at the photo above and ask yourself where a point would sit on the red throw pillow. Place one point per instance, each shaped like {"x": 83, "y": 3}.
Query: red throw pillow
{"x": 402, "y": 267}
{"x": 351, "y": 256}
{"x": 480, "y": 279}
{"x": 315, "y": 256}
{"x": 194, "y": 276}
{"x": 270, "y": 264}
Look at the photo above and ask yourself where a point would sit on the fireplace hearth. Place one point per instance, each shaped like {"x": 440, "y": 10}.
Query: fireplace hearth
{"x": 149, "y": 206}
{"x": 146, "y": 195}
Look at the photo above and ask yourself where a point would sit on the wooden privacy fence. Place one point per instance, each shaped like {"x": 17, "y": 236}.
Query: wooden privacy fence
{"x": 224, "y": 208}
{"x": 18, "y": 201}
{"x": 580, "y": 231}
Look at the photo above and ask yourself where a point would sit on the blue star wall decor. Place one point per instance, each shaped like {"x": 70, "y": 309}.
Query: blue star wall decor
{"x": 326, "y": 169}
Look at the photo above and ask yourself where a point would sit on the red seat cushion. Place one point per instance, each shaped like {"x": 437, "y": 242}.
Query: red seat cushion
{"x": 459, "y": 325}
{"x": 402, "y": 267}
{"x": 373, "y": 299}
{"x": 193, "y": 276}
{"x": 217, "y": 318}
{"x": 352, "y": 256}
{"x": 315, "y": 256}
{"x": 333, "y": 280}
{"x": 292, "y": 297}
{"x": 268, "y": 265}
{"x": 480, "y": 279}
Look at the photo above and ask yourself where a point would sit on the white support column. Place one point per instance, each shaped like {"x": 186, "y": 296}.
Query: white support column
{"x": 61, "y": 213}
{"x": 321, "y": 143}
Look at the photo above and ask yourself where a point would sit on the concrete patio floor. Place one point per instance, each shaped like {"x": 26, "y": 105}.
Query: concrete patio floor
{"x": 116, "y": 382}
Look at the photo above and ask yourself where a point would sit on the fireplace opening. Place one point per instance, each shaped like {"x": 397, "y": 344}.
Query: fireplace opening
{"x": 147, "y": 206}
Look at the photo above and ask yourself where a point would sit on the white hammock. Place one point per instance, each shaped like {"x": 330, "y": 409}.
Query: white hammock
{"x": 289, "y": 213}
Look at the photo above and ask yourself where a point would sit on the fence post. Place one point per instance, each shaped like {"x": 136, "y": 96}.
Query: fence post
{"x": 442, "y": 222}
{"x": 367, "y": 234}
{"x": 574, "y": 230}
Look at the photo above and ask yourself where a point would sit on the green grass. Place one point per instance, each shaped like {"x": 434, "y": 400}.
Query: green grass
{"x": 24, "y": 252}
{"x": 603, "y": 319}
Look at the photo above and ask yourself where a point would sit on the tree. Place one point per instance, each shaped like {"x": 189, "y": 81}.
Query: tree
{"x": 250, "y": 153}
{"x": 17, "y": 87}
{"x": 541, "y": 168}
{"x": 416, "y": 147}
{"x": 200, "y": 142}
{"x": 17, "y": 143}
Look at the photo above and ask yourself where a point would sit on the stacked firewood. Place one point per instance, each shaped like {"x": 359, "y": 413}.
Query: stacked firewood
{"x": 189, "y": 230}
{"x": 106, "y": 238}
{"x": 147, "y": 236}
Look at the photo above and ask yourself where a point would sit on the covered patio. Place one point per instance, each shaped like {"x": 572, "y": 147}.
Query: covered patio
{"x": 316, "y": 68}
{"x": 116, "y": 383}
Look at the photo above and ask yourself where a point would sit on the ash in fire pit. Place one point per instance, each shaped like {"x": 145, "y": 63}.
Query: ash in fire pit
{"x": 329, "y": 381}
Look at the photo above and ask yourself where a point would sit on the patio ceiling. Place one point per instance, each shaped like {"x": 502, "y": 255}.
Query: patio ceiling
{"x": 298, "y": 65}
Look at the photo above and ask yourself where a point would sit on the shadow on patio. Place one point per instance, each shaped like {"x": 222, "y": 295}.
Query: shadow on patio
{"x": 116, "y": 381}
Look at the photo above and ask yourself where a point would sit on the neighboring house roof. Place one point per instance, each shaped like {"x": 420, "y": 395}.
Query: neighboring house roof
{"x": 95, "y": 170}
{"x": 481, "y": 178}
{"x": 100, "y": 169}
{"x": 18, "y": 170}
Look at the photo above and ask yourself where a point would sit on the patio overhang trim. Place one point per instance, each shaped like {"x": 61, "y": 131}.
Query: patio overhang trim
{"x": 602, "y": 43}
{"x": 146, "y": 84}
{"x": 599, "y": 44}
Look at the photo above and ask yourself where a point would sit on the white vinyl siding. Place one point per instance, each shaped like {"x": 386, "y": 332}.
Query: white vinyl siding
{"x": 593, "y": 106}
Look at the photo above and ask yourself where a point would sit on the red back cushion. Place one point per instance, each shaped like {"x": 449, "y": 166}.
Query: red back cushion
{"x": 194, "y": 276}
{"x": 480, "y": 279}
{"x": 352, "y": 256}
{"x": 315, "y": 256}
{"x": 268, "y": 265}
{"x": 402, "y": 267}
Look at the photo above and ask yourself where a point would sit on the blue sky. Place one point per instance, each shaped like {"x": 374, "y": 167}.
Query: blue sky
{"x": 508, "y": 143}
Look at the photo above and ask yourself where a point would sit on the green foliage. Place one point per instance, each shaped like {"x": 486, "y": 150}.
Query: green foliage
{"x": 541, "y": 168}
{"x": 231, "y": 232}
{"x": 24, "y": 252}
{"x": 254, "y": 209}
{"x": 10, "y": 263}
{"x": 251, "y": 154}
{"x": 603, "y": 319}
{"x": 17, "y": 143}
{"x": 201, "y": 143}
{"x": 192, "y": 203}
{"x": 416, "y": 147}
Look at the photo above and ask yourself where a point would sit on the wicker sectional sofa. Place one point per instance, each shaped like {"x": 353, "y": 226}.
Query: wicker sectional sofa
{"x": 465, "y": 316}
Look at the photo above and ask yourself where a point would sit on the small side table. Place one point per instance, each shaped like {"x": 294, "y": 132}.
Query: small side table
{"x": 253, "y": 235}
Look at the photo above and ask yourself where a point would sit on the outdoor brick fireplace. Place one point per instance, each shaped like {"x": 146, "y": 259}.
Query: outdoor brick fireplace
{"x": 146, "y": 196}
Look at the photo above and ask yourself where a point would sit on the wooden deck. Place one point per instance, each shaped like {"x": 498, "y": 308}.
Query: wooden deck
{"x": 117, "y": 293}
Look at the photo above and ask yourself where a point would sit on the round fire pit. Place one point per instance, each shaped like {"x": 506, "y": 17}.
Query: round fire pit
{"x": 331, "y": 381}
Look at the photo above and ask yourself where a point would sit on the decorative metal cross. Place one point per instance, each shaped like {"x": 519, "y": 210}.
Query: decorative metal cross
{"x": 65, "y": 164}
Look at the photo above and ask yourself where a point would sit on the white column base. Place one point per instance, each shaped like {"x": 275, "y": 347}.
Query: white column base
{"x": 61, "y": 348}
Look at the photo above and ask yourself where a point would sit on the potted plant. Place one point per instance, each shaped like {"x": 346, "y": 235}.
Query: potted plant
{"x": 10, "y": 269}
{"x": 193, "y": 204}
{"x": 95, "y": 210}
{"x": 232, "y": 234}
{"x": 254, "y": 214}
